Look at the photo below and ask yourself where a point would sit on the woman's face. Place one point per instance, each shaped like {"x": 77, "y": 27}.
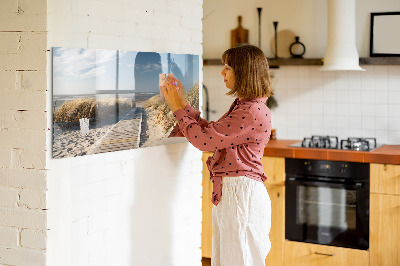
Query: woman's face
{"x": 229, "y": 76}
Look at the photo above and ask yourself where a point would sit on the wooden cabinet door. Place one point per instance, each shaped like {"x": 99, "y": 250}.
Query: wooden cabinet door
{"x": 274, "y": 168}
{"x": 206, "y": 226}
{"x": 277, "y": 233}
{"x": 384, "y": 236}
{"x": 305, "y": 254}
{"x": 385, "y": 178}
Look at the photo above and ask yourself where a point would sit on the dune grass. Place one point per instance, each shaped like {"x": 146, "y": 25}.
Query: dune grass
{"x": 72, "y": 111}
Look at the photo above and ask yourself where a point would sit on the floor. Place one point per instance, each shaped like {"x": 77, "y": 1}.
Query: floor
{"x": 206, "y": 261}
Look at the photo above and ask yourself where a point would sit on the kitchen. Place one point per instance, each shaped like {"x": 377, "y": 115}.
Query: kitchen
{"x": 313, "y": 104}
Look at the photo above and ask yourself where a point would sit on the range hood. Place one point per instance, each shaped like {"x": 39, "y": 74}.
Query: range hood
{"x": 341, "y": 51}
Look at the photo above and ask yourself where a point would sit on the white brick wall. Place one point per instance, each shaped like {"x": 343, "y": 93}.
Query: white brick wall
{"x": 23, "y": 132}
{"x": 134, "y": 207}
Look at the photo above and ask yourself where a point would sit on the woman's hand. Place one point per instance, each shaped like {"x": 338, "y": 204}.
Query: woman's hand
{"x": 174, "y": 92}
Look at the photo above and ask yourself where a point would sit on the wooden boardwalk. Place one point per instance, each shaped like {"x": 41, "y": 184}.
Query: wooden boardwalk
{"x": 122, "y": 136}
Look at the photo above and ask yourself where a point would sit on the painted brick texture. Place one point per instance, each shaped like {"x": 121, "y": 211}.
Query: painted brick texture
{"x": 23, "y": 132}
{"x": 134, "y": 207}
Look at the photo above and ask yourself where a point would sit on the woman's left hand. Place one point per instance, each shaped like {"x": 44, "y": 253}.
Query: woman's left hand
{"x": 171, "y": 94}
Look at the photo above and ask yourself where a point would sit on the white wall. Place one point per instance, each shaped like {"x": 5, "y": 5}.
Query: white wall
{"x": 311, "y": 102}
{"x": 135, "y": 207}
{"x": 23, "y": 133}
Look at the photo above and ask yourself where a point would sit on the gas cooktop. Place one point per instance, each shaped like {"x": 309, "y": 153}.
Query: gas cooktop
{"x": 332, "y": 142}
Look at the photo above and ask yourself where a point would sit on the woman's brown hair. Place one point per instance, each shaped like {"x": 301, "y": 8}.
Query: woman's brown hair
{"x": 250, "y": 66}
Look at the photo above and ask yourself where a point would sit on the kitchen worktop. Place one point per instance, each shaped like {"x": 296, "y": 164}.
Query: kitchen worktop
{"x": 389, "y": 154}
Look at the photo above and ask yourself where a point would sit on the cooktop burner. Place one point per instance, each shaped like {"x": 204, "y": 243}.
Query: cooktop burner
{"x": 332, "y": 142}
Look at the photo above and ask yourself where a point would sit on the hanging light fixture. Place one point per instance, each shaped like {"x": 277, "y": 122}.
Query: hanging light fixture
{"x": 341, "y": 51}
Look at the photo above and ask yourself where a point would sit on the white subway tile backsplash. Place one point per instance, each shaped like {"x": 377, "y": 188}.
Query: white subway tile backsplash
{"x": 303, "y": 82}
{"x": 354, "y": 80}
{"x": 394, "y": 110}
{"x": 342, "y": 81}
{"x": 328, "y": 74}
{"x": 342, "y": 109}
{"x": 394, "y": 83}
{"x": 394, "y": 137}
{"x": 381, "y": 97}
{"x": 355, "y": 96}
{"x": 353, "y": 102}
{"x": 394, "y": 123}
{"x": 342, "y": 96}
{"x": 292, "y": 83}
{"x": 342, "y": 122}
{"x": 355, "y": 122}
{"x": 367, "y": 96}
{"x": 394, "y": 97}
{"x": 367, "y": 110}
{"x": 380, "y": 71}
{"x": 329, "y": 93}
{"x": 381, "y": 110}
{"x": 381, "y": 123}
{"x": 368, "y": 122}
{"x": 316, "y": 82}
{"x": 367, "y": 133}
{"x": 381, "y": 136}
{"x": 393, "y": 71}
{"x": 329, "y": 109}
{"x": 291, "y": 71}
{"x": 355, "y": 132}
{"x": 381, "y": 84}
{"x": 304, "y": 72}
{"x": 315, "y": 72}
{"x": 329, "y": 123}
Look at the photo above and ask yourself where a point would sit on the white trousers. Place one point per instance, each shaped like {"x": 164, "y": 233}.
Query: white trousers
{"x": 241, "y": 223}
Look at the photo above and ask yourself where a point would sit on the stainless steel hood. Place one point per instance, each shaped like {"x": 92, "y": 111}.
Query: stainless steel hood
{"x": 341, "y": 51}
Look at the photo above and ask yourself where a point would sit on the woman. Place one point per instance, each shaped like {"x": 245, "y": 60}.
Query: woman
{"x": 242, "y": 208}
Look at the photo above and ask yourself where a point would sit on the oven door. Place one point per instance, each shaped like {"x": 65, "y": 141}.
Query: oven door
{"x": 327, "y": 213}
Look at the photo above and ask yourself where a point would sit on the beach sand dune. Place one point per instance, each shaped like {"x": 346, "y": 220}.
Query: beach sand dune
{"x": 144, "y": 124}
{"x": 160, "y": 121}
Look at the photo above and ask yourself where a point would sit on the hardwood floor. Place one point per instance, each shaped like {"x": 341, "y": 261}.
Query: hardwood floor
{"x": 206, "y": 261}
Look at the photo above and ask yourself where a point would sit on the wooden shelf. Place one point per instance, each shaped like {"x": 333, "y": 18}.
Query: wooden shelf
{"x": 273, "y": 63}
{"x": 380, "y": 61}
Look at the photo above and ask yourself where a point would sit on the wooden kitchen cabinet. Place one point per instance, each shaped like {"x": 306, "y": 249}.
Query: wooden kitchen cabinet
{"x": 385, "y": 178}
{"x": 384, "y": 236}
{"x": 305, "y": 254}
{"x": 274, "y": 168}
{"x": 206, "y": 225}
{"x": 277, "y": 233}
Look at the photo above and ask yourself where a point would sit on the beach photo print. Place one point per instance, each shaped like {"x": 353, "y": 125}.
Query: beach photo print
{"x": 109, "y": 100}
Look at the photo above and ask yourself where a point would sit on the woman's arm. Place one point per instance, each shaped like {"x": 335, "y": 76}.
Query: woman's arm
{"x": 239, "y": 127}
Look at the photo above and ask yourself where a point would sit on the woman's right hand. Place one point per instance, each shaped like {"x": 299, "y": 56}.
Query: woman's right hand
{"x": 181, "y": 90}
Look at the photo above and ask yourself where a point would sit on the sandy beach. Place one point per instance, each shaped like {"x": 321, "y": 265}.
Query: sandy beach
{"x": 148, "y": 124}
{"x": 70, "y": 143}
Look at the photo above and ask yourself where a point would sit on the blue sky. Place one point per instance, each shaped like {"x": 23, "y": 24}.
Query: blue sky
{"x": 85, "y": 71}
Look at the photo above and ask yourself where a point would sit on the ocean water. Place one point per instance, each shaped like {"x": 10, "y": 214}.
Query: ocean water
{"x": 58, "y": 100}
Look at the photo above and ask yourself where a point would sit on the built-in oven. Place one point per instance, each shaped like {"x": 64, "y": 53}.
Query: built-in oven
{"x": 327, "y": 202}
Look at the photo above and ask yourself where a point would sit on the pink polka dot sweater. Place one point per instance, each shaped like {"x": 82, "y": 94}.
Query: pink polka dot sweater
{"x": 238, "y": 139}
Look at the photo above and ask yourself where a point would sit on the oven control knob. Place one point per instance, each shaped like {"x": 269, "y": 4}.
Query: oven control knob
{"x": 308, "y": 166}
{"x": 343, "y": 168}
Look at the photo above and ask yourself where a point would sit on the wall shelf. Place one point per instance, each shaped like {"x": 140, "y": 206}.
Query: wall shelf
{"x": 274, "y": 63}
{"x": 380, "y": 61}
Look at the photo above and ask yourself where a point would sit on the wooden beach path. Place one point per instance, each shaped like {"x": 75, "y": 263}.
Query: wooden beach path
{"x": 122, "y": 136}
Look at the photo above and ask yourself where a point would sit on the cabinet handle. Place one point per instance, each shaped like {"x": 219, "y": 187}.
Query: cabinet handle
{"x": 325, "y": 254}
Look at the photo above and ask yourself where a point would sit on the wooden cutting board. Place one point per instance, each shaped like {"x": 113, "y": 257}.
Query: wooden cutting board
{"x": 239, "y": 35}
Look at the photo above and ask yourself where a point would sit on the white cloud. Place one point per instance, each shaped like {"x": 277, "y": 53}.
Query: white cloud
{"x": 80, "y": 63}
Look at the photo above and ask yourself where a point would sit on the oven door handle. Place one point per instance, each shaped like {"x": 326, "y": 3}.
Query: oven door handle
{"x": 357, "y": 185}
